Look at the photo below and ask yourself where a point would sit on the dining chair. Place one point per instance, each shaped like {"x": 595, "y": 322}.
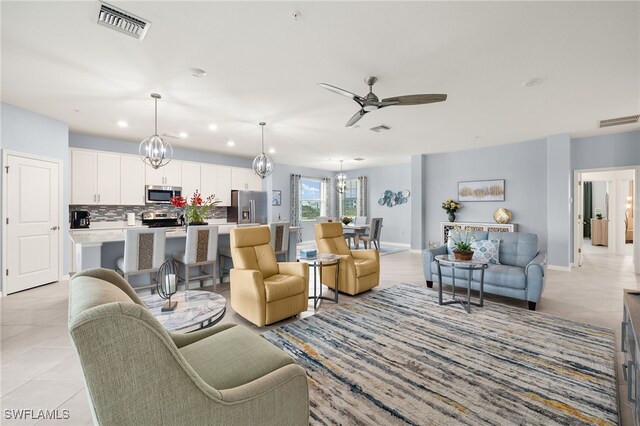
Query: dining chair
{"x": 144, "y": 251}
{"x": 201, "y": 250}
{"x": 360, "y": 220}
{"x": 280, "y": 239}
{"x": 325, "y": 219}
{"x": 375, "y": 229}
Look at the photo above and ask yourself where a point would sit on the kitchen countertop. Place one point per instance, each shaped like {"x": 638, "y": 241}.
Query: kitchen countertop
{"x": 110, "y": 232}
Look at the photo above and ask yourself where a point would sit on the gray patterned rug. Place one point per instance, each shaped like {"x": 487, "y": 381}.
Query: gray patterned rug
{"x": 396, "y": 357}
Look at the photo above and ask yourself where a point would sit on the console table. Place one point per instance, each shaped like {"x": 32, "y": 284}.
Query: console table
{"x": 446, "y": 227}
{"x": 599, "y": 232}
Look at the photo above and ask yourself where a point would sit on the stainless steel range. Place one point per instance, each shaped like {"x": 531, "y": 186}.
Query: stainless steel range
{"x": 160, "y": 219}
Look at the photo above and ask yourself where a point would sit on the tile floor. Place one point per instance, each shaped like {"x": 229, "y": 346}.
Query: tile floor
{"x": 39, "y": 369}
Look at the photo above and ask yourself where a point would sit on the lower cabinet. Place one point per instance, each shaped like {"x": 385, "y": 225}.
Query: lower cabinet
{"x": 630, "y": 348}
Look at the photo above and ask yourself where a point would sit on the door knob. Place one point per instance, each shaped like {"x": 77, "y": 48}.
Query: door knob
{"x": 54, "y": 228}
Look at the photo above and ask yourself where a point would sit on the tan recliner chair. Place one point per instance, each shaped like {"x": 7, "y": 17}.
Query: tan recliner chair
{"x": 138, "y": 373}
{"x": 359, "y": 269}
{"x": 262, "y": 290}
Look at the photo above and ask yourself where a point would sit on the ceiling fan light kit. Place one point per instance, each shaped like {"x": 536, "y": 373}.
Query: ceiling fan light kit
{"x": 263, "y": 164}
{"x": 154, "y": 151}
{"x": 370, "y": 102}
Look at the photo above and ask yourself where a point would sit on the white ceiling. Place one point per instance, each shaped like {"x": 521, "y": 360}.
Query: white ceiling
{"x": 264, "y": 65}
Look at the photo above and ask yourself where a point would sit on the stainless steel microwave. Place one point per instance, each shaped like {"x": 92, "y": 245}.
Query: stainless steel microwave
{"x": 157, "y": 194}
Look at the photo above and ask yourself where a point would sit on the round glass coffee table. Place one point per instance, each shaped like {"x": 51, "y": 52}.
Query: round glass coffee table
{"x": 449, "y": 261}
{"x": 196, "y": 309}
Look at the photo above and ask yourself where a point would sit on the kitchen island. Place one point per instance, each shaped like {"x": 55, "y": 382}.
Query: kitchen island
{"x": 103, "y": 243}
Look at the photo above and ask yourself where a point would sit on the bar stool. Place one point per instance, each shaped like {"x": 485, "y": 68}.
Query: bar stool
{"x": 201, "y": 250}
{"x": 280, "y": 239}
{"x": 144, "y": 251}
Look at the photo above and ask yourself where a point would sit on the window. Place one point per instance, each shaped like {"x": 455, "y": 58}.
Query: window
{"x": 310, "y": 198}
{"x": 350, "y": 198}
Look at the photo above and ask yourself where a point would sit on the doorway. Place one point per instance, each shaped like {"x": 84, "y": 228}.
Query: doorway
{"x": 604, "y": 214}
{"x": 32, "y": 236}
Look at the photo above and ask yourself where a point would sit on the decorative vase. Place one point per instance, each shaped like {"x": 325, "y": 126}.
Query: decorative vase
{"x": 452, "y": 217}
{"x": 463, "y": 255}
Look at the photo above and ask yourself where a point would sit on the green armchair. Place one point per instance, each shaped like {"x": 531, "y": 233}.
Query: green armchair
{"x": 136, "y": 372}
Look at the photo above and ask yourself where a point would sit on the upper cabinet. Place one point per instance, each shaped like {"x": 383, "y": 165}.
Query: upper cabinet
{"x": 190, "y": 179}
{"x": 95, "y": 177}
{"x": 168, "y": 175}
{"x": 223, "y": 185}
{"x": 131, "y": 181}
{"x": 245, "y": 179}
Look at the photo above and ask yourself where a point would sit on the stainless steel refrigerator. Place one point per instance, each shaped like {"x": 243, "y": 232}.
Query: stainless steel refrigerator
{"x": 248, "y": 207}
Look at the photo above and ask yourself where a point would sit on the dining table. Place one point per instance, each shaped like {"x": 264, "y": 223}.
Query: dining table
{"x": 356, "y": 230}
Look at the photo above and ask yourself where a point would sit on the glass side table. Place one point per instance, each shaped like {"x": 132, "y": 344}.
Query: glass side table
{"x": 448, "y": 261}
{"x": 317, "y": 263}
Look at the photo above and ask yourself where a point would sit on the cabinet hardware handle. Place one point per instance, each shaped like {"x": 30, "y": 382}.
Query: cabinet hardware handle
{"x": 98, "y": 197}
{"x": 95, "y": 197}
{"x": 623, "y": 336}
{"x": 625, "y": 374}
{"x": 54, "y": 228}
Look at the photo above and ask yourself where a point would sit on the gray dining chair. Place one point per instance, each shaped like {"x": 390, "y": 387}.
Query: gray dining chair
{"x": 201, "y": 250}
{"x": 375, "y": 229}
{"x": 144, "y": 251}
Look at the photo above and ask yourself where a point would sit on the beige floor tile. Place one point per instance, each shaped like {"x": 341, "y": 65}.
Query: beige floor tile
{"x": 50, "y": 335}
{"x": 68, "y": 369}
{"x": 9, "y": 385}
{"x": 39, "y": 395}
{"x": 77, "y": 408}
{"x": 34, "y": 362}
{"x": 7, "y": 331}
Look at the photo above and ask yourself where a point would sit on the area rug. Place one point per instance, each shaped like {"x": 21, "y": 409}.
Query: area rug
{"x": 396, "y": 357}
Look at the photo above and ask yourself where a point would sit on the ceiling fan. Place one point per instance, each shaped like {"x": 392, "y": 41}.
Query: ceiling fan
{"x": 370, "y": 101}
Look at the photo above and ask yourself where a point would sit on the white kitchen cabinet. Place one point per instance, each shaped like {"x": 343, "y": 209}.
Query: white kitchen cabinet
{"x": 168, "y": 175}
{"x": 95, "y": 177}
{"x": 191, "y": 178}
{"x": 245, "y": 179}
{"x": 131, "y": 181}
{"x": 108, "y": 178}
{"x": 208, "y": 180}
{"x": 83, "y": 177}
{"x": 223, "y": 185}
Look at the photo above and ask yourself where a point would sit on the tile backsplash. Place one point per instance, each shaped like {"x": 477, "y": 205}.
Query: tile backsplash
{"x": 116, "y": 213}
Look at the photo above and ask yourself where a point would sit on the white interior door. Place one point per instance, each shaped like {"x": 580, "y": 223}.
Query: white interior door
{"x": 33, "y": 228}
{"x": 579, "y": 230}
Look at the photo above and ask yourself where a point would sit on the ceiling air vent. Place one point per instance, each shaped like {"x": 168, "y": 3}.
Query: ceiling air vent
{"x": 124, "y": 22}
{"x": 380, "y": 128}
{"x": 358, "y": 159}
{"x": 619, "y": 121}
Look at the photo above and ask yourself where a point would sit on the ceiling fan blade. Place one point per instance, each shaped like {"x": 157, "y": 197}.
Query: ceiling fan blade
{"x": 356, "y": 117}
{"x": 342, "y": 92}
{"x": 417, "y": 99}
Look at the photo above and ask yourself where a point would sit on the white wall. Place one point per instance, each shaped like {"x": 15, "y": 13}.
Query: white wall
{"x": 598, "y": 193}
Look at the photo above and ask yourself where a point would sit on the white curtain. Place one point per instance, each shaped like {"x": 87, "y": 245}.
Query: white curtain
{"x": 325, "y": 197}
{"x": 295, "y": 203}
{"x": 362, "y": 200}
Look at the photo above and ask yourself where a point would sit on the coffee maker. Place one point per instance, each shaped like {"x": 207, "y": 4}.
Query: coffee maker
{"x": 80, "y": 219}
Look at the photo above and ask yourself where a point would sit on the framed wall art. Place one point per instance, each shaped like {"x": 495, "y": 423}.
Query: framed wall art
{"x": 276, "y": 198}
{"x": 481, "y": 190}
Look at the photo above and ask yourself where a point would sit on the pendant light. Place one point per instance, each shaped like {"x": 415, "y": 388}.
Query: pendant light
{"x": 154, "y": 151}
{"x": 340, "y": 181}
{"x": 263, "y": 164}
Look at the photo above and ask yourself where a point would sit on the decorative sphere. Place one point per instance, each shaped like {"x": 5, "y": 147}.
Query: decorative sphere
{"x": 502, "y": 215}
{"x": 155, "y": 151}
{"x": 340, "y": 182}
{"x": 263, "y": 165}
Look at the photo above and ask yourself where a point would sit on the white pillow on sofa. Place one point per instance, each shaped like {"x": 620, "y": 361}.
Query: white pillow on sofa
{"x": 487, "y": 250}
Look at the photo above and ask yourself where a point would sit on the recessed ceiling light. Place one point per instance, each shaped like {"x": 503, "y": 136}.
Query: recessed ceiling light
{"x": 272, "y": 150}
{"x": 122, "y": 123}
{"x": 358, "y": 159}
{"x": 533, "y": 82}
{"x": 230, "y": 143}
{"x": 198, "y": 72}
{"x": 213, "y": 127}
{"x": 183, "y": 134}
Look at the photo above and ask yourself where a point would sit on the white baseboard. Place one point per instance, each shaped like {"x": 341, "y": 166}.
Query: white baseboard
{"x": 415, "y": 251}
{"x": 559, "y": 268}
{"x": 403, "y": 245}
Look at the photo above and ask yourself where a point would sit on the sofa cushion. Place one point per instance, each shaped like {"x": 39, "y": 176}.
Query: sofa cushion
{"x": 487, "y": 250}
{"x": 280, "y": 286}
{"x": 365, "y": 267}
{"x": 503, "y": 276}
{"x": 516, "y": 248}
{"x": 233, "y": 357}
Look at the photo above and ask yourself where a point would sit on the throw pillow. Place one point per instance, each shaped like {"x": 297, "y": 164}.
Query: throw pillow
{"x": 487, "y": 250}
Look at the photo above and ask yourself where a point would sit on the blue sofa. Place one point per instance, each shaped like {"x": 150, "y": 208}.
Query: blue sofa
{"x": 520, "y": 274}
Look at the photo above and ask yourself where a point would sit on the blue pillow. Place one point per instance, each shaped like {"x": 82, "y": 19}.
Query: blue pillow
{"x": 487, "y": 250}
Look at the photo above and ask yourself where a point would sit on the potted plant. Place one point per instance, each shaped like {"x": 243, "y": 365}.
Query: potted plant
{"x": 196, "y": 209}
{"x": 346, "y": 220}
{"x": 462, "y": 247}
{"x": 451, "y": 207}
